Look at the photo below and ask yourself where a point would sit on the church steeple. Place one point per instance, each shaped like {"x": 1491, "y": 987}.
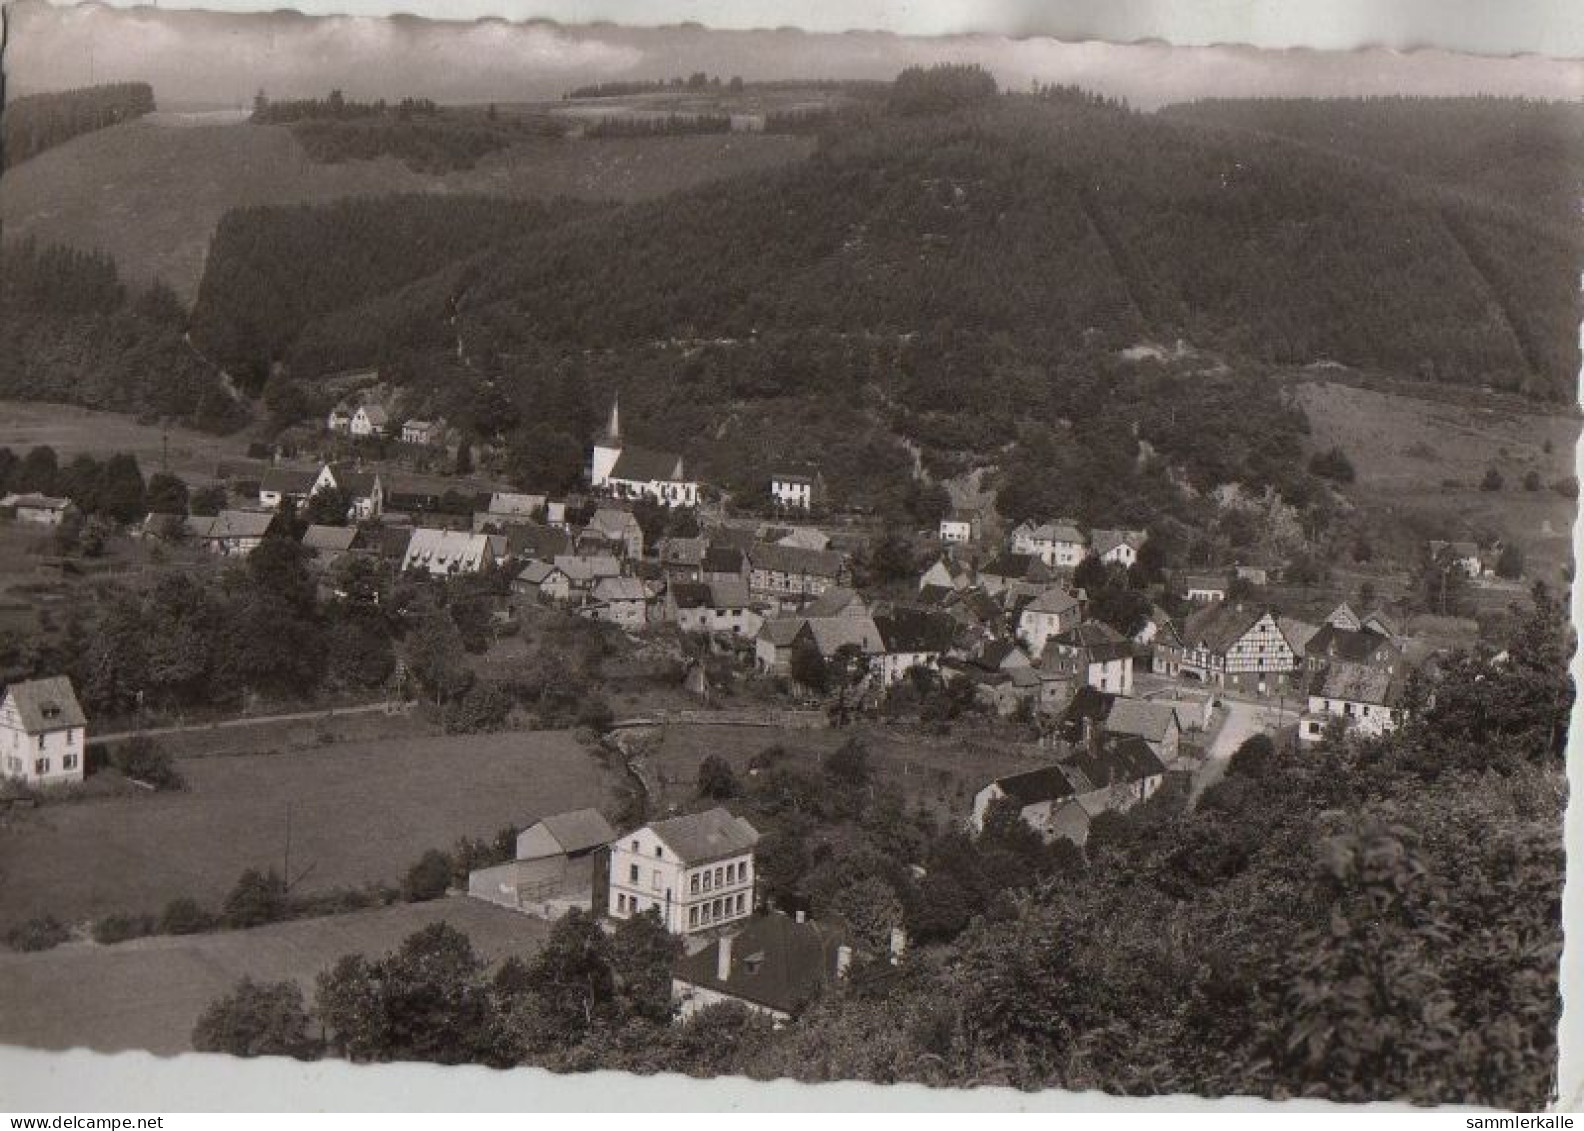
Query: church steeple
{"x": 613, "y": 429}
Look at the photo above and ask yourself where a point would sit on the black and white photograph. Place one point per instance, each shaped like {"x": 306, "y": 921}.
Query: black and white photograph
{"x": 1015, "y": 564}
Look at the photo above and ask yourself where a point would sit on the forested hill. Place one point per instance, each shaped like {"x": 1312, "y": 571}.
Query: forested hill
{"x": 1066, "y": 224}
{"x": 1509, "y": 150}
{"x": 36, "y": 122}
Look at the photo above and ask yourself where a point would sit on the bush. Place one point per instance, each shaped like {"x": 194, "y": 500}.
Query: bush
{"x": 1333, "y": 465}
{"x": 257, "y": 898}
{"x": 142, "y": 759}
{"x": 716, "y": 779}
{"x": 428, "y": 879}
{"x": 1493, "y": 480}
{"x": 485, "y": 707}
{"x": 1531, "y": 480}
{"x": 43, "y": 933}
{"x": 596, "y": 714}
{"x": 257, "y": 1019}
{"x": 119, "y": 928}
{"x": 184, "y": 916}
{"x": 1254, "y": 758}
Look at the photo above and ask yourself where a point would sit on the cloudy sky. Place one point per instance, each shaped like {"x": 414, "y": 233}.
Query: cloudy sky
{"x": 210, "y": 57}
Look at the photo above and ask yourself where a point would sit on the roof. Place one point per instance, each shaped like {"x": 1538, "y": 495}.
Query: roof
{"x": 353, "y": 482}
{"x": 835, "y": 600}
{"x": 459, "y": 546}
{"x": 1340, "y": 644}
{"x": 1088, "y": 705}
{"x": 614, "y": 523}
{"x": 711, "y": 835}
{"x": 961, "y": 514}
{"x": 1116, "y": 761}
{"x": 1058, "y": 530}
{"x": 730, "y": 594}
{"x": 683, "y": 551}
{"x": 1191, "y": 581}
{"x": 1025, "y": 566}
{"x": 781, "y": 631}
{"x": 1031, "y": 787}
{"x": 644, "y": 465}
{"x": 510, "y": 502}
{"x": 1298, "y": 633}
{"x": 775, "y": 962}
{"x": 690, "y": 595}
{"x": 1151, "y": 721}
{"x": 46, "y": 704}
{"x": 1357, "y": 683}
{"x": 834, "y": 633}
{"x": 332, "y": 538}
{"x": 287, "y": 480}
{"x": 578, "y": 830}
{"x": 797, "y": 559}
{"x": 587, "y": 567}
{"x": 535, "y": 541}
{"x": 537, "y": 572}
{"x": 241, "y": 524}
{"x": 1097, "y": 638}
{"x": 722, "y": 559}
{"x": 1104, "y": 541}
{"x": 907, "y": 630}
{"x": 1219, "y": 626}
{"x": 807, "y": 537}
{"x": 620, "y": 589}
{"x": 375, "y": 413}
{"x": 1053, "y": 600}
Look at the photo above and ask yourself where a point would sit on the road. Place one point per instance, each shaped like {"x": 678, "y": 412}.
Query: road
{"x": 247, "y": 721}
{"x": 1244, "y": 719}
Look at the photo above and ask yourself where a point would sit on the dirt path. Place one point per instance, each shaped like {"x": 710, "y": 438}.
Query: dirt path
{"x": 253, "y": 720}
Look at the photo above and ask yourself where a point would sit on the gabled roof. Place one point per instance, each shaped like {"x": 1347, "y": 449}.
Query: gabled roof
{"x": 375, "y": 413}
{"x": 1358, "y": 683}
{"x": 797, "y": 559}
{"x": 689, "y": 594}
{"x": 512, "y": 502}
{"x": 723, "y": 559}
{"x": 580, "y": 567}
{"x": 806, "y": 537}
{"x": 454, "y": 546}
{"x": 241, "y": 524}
{"x": 833, "y": 602}
{"x": 1058, "y": 530}
{"x": 36, "y": 502}
{"x": 537, "y": 572}
{"x": 1219, "y": 626}
{"x": 645, "y": 465}
{"x": 1209, "y": 581}
{"x": 729, "y": 594}
{"x": 1119, "y": 760}
{"x": 781, "y": 631}
{"x": 620, "y": 589}
{"x": 1298, "y": 633}
{"x": 534, "y": 541}
{"x": 995, "y": 654}
{"x": 834, "y": 633}
{"x": 683, "y": 551}
{"x": 1151, "y": 721}
{"x": 1104, "y": 541}
{"x": 1090, "y": 634}
{"x": 1031, "y": 787}
{"x": 353, "y": 482}
{"x": 578, "y": 830}
{"x": 614, "y": 523}
{"x": 701, "y": 837}
{"x": 1340, "y": 644}
{"x": 905, "y": 630}
{"x": 331, "y": 539}
{"x": 1054, "y": 600}
{"x": 45, "y": 705}
{"x": 1088, "y": 705}
{"x": 287, "y": 480}
{"x": 1026, "y": 567}
{"x": 776, "y": 962}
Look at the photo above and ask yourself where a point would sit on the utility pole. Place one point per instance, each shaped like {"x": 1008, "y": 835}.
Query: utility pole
{"x": 286, "y": 863}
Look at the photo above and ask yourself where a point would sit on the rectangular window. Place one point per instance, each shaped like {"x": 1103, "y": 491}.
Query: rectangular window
{"x": 635, "y": 846}
{"x": 715, "y": 909}
{"x": 621, "y": 903}
{"x": 658, "y": 853}
{"x": 707, "y": 884}
{"x": 693, "y": 884}
{"x": 719, "y": 877}
{"x": 69, "y": 762}
{"x": 739, "y": 903}
{"x": 632, "y": 873}
{"x": 41, "y": 766}
{"x": 693, "y": 919}
{"x": 654, "y": 880}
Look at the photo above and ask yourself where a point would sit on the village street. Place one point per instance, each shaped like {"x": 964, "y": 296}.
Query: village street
{"x": 1244, "y": 719}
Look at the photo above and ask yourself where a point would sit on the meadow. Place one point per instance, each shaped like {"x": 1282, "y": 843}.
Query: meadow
{"x": 358, "y": 812}
{"x": 71, "y": 430}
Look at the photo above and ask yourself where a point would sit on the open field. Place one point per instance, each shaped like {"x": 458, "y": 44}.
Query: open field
{"x": 70, "y": 430}
{"x": 1419, "y": 464}
{"x": 148, "y": 993}
{"x": 360, "y": 813}
{"x": 940, "y": 773}
{"x": 151, "y": 192}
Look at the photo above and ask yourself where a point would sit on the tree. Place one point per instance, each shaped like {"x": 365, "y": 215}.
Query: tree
{"x": 808, "y": 667}
{"x": 166, "y": 494}
{"x": 642, "y": 953}
{"x": 436, "y": 658}
{"x": 121, "y": 489}
{"x": 327, "y": 506}
{"x": 716, "y": 779}
{"x": 1253, "y": 757}
{"x": 37, "y": 471}
{"x": 1493, "y": 480}
{"x": 848, "y": 765}
{"x": 257, "y": 1019}
{"x": 208, "y": 501}
{"x": 257, "y": 898}
{"x": 1510, "y": 562}
{"x": 1332, "y": 464}
{"x": 464, "y": 457}
{"x": 1532, "y": 480}
{"x": 142, "y": 759}
{"x": 570, "y": 981}
{"x": 429, "y": 878}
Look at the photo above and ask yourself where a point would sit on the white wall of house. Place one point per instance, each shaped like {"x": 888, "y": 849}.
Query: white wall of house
{"x": 1367, "y": 718}
{"x": 792, "y": 494}
{"x": 956, "y": 530}
{"x": 645, "y": 874}
{"x": 52, "y": 757}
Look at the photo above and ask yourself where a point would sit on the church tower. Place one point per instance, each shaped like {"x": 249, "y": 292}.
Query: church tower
{"x": 607, "y": 449}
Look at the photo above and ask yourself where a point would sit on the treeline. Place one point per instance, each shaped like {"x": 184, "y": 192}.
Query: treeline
{"x": 697, "y": 81}
{"x": 71, "y": 332}
{"x": 941, "y": 89}
{"x": 273, "y": 270}
{"x": 111, "y": 488}
{"x": 1373, "y": 919}
{"x": 36, "y": 122}
{"x": 337, "y": 106}
{"x": 668, "y": 125}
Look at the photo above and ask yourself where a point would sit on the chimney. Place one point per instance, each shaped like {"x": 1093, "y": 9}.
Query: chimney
{"x": 843, "y": 960}
{"x": 723, "y": 957}
{"x": 898, "y": 944}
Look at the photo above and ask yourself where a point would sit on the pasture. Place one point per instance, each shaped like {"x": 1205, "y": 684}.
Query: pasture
{"x": 148, "y": 993}
{"x": 151, "y": 192}
{"x": 359, "y": 813}
{"x": 940, "y": 774}
{"x": 71, "y": 430}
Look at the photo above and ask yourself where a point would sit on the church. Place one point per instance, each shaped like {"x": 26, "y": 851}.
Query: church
{"x": 626, "y": 471}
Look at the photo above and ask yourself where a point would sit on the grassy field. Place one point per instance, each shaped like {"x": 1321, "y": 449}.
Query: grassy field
{"x": 151, "y": 192}
{"x": 1419, "y": 464}
{"x": 940, "y": 773}
{"x": 70, "y": 430}
{"x": 361, "y": 812}
{"x": 148, "y": 993}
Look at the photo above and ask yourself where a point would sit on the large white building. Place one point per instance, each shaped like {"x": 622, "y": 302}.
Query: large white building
{"x": 630, "y": 472}
{"x": 42, "y": 732}
{"x": 696, "y": 871}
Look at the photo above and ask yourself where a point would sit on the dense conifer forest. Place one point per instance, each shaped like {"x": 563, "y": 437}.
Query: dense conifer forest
{"x": 36, "y": 122}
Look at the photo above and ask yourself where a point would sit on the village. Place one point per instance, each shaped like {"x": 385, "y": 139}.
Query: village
{"x": 997, "y": 631}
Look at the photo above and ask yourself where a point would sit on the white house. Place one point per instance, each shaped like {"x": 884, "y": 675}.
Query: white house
{"x": 1058, "y": 543}
{"x": 1204, "y": 588}
{"x": 1119, "y": 547}
{"x": 1231, "y": 646}
{"x": 339, "y": 420}
{"x": 959, "y": 527}
{"x": 1094, "y": 654}
{"x": 618, "y": 600}
{"x": 696, "y": 871}
{"x": 43, "y": 510}
{"x": 442, "y": 553}
{"x": 422, "y": 431}
{"x": 42, "y": 732}
{"x": 369, "y": 420}
{"x": 282, "y": 484}
{"x": 630, "y": 472}
{"x": 232, "y": 533}
{"x": 1367, "y": 698}
{"x": 363, "y": 490}
{"x": 797, "y": 490}
{"x": 712, "y": 606}
{"x": 1050, "y": 614}
{"x": 911, "y": 638}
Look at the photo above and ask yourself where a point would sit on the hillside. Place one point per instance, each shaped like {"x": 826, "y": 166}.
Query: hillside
{"x": 177, "y": 175}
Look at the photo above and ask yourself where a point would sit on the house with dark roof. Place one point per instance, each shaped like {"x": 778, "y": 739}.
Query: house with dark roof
{"x": 1060, "y": 801}
{"x": 696, "y": 871}
{"x": 1366, "y": 697}
{"x": 794, "y": 573}
{"x": 946, "y": 574}
{"x": 1095, "y": 654}
{"x": 621, "y": 601}
{"x": 1117, "y": 547}
{"x": 712, "y": 606}
{"x": 773, "y": 965}
{"x": 329, "y": 542}
{"x": 43, "y": 732}
{"x": 774, "y": 642}
{"x": 1329, "y": 644}
{"x": 1005, "y": 568}
{"x": 235, "y": 533}
{"x": 1159, "y": 723}
{"x": 542, "y": 581}
{"x": 797, "y": 490}
{"x": 554, "y": 867}
{"x": 1237, "y": 646}
{"x": 369, "y": 420}
{"x": 1202, "y": 587}
{"x": 363, "y": 491}
{"x": 282, "y": 484}
{"x": 911, "y": 638}
{"x": 1059, "y": 543}
{"x": 618, "y": 527}
{"x": 1052, "y": 612}
{"x": 723, "y": 563}
{"x": 41, "y": 510}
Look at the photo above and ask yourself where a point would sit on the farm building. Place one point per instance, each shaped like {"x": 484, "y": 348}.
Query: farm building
{"x": 554, "y": 868}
